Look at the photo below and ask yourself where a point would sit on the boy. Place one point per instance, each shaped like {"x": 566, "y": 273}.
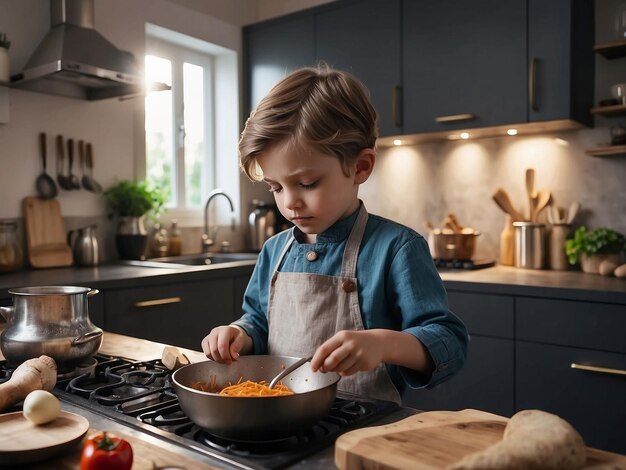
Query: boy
{"x": 358, "y": 292}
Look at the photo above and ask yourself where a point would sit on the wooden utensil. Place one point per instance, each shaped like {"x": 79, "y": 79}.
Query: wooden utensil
{"x": 63, "y": 180}
{"x": 431, "y": 440}
{"x": 23, "y": 442}
{"x": 507, "y": 243}
{"x": 173, "y": 359}
{"x": 530, "y": 192}
{"x": 502, "y": 199}
{"x": 45, "y": 234}
{"x": 542, "y": 200}
{"x": 572, "y": 212}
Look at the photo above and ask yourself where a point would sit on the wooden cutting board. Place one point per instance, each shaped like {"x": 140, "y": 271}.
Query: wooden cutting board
{"x": 23, "y": 442}
{"x": 46, "y": 238}
{"x": 431, "y": 440}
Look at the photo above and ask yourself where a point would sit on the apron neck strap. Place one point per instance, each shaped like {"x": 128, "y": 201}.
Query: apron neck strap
{"x": 353, "y": 243}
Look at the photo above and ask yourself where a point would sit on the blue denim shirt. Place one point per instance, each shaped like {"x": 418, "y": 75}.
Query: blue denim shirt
{"x": 398, "y": 285}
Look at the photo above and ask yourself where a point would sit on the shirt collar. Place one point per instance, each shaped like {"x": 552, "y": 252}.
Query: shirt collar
{"x": 337, "y": 232}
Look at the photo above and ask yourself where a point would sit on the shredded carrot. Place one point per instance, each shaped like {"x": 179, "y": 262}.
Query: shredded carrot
{"x": 243, "y": 388}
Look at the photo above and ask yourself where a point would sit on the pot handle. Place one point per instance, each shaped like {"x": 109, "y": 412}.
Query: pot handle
{"x": 82, "y": 339}
{"x": 7, "y": 313}
{"x": 92, "y": 292}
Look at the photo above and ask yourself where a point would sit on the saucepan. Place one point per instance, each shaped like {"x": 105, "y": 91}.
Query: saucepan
{"x": 255, "y": 418}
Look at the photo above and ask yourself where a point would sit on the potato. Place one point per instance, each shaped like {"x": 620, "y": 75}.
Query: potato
{"x": 41, "y": 407}
{"x": 620, "y": 271}
{"x": 607, "y": 267}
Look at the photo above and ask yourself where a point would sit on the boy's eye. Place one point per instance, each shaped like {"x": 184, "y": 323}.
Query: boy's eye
{"x": 275, "y": 189}
{"x": 309, "y": 185}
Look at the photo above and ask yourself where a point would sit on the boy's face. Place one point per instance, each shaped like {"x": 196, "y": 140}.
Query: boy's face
{"x": 310, "y": 188}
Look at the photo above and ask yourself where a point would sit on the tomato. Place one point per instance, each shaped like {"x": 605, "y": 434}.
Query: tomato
{"x": 106, "y": 451}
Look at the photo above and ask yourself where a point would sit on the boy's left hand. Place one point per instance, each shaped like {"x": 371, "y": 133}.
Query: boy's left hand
{"x": 348, "y": 352}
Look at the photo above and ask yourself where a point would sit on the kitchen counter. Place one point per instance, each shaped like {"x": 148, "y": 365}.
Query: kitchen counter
{"x": 151, "y": 452}
{"x": 573, "y": 285}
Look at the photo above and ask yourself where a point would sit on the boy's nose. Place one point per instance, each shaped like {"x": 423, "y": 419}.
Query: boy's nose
{"x": 291, "y": 199}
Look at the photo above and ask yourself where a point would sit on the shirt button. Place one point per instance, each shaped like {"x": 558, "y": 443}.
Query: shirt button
{"x": 311, "y": 256}
{"x": 348, "y": 286}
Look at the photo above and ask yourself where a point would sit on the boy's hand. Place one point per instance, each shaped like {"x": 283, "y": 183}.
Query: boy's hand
{"x": 225, "y": 343}
{"x": 348, "y": 352}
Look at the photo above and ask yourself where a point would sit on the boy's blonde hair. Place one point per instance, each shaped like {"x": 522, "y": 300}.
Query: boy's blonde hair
{"x": 319, "y": 108}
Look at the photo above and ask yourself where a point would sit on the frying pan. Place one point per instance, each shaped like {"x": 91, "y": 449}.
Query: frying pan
{"x": 255, "y": 418}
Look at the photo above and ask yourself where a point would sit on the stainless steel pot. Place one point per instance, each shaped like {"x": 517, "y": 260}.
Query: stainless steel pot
{"x": 257, "y": 418}
{"x": 52, "y": 320}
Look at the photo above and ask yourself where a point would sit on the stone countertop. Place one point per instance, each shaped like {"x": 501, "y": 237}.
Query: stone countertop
{"x": 572, "y": 285}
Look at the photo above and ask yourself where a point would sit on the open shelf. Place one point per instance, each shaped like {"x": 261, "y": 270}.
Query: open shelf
{"x": 610, "y": 150}
{"x": 613, "y": 110}
{"x": 612, "y": 49}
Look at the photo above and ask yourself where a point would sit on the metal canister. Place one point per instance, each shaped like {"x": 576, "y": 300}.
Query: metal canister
{"x": 530, "y": 245}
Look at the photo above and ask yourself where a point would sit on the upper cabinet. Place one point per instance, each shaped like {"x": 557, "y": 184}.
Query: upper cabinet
{"x": 464, "y": 64}
{"x": 273, "y": 49}
{"x": 364, "y": 39}
{"x": 434, "y": 66}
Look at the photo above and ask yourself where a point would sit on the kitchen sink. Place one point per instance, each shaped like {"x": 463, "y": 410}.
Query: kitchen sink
{"x": 185, "y": 261}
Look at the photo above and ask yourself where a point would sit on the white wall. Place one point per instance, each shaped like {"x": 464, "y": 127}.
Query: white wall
{"x": 114, "y": 127}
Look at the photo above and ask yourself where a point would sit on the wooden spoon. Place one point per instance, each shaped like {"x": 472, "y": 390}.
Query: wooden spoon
{"x": 542, "y": 200}
{"x": 502, "y": 199}
{"x": 573, "y": 210}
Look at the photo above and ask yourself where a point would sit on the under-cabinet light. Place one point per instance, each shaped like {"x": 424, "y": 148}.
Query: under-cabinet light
{"x": 397, "y": 142}
{"x": 512, "y": 131}
{"x": 464, "y": 135}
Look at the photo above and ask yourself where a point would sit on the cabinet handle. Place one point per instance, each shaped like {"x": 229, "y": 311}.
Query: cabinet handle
{"x": 602, "y": 370}
{"x": 456, "y": 118}
{"x": 396, "y": 105}
{"x": 532, "y": 84}
{"x": 155, "y": 302}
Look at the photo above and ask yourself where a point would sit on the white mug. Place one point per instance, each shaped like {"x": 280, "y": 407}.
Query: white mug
{"x": 618, "y": 92}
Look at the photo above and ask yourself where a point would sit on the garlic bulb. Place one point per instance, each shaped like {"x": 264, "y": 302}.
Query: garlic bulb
{"x": 41, "y": 407}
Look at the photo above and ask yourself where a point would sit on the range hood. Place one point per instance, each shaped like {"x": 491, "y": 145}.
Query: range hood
{"x": 74, "y": 60}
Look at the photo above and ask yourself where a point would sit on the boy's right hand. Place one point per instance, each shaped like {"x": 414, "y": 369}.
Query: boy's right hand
{"x": 225, "y": 343}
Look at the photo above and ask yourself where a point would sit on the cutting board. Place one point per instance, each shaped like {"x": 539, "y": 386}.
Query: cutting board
{"x": 431, "y": 440}
{"x": 23, "y": 442}
{"x": 46, "y": 238}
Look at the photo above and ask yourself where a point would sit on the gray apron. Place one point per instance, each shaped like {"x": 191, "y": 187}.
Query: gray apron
{"x": 305, "y": 309}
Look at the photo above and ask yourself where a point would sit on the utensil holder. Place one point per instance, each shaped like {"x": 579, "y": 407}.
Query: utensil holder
{"x": 530, "y": 246}
{"x": 558, "y": 258}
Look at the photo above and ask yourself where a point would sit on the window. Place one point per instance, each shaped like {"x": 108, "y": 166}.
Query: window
{"x": 188, "y": 150}
{"x": 179, "y": 124}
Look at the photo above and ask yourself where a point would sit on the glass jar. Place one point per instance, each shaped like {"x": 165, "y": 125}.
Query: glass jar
{"x": 10, "y": 250}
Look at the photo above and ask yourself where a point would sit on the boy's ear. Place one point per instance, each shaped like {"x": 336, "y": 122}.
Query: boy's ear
{"x": 364, "y": 165}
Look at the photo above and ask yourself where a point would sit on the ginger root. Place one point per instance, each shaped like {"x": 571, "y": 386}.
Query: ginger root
{"x": 533, "y": 439}
{"x": 34, "y": 374}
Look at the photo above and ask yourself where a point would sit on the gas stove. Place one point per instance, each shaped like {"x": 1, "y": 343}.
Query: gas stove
{"x": 139, "y": 394}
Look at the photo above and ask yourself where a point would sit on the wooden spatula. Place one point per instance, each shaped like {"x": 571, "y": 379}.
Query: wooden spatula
{"x": 502, "y": 199}
{"x": 530, "y": 192}
{"x": 542, "y": 200}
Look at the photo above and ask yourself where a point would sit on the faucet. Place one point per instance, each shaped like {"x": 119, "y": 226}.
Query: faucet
{"x": 208, "y": 240}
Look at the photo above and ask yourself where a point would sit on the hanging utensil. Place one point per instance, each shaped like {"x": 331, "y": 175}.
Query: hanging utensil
{"x": 63, "y": 180}
{"x": 95, "y": 186}
{"x": 86, "y": 179}
{"x": 502, "y": 199}
{"x": 46, "y": 187}
{"x": 70, "y": 156}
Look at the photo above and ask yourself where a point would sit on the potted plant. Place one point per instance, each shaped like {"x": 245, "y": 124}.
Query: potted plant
{"x": 591, "y": 247}
{"x": 5, "y": 63}
{"x": 132, "y": 201}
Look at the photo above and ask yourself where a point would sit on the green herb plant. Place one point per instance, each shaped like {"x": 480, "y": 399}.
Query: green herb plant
{"x": 4, "y": 41}
{"x": 599, "y": 241}
{"x": 135, "y": 199}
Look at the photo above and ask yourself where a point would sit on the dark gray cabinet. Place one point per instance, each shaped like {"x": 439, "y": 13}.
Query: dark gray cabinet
{"x": 181, "y": 314}
{"x": 571, "y": 361}
{"x": 363, "y": 38}
{"x": 273, "y": 49}
{"x": 440, "y": 65}
{"x": 486, "y": 382}
{"x": 464, "y": 64}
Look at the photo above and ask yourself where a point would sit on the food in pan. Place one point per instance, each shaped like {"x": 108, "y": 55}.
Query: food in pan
{"x": 242, "y": 388}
